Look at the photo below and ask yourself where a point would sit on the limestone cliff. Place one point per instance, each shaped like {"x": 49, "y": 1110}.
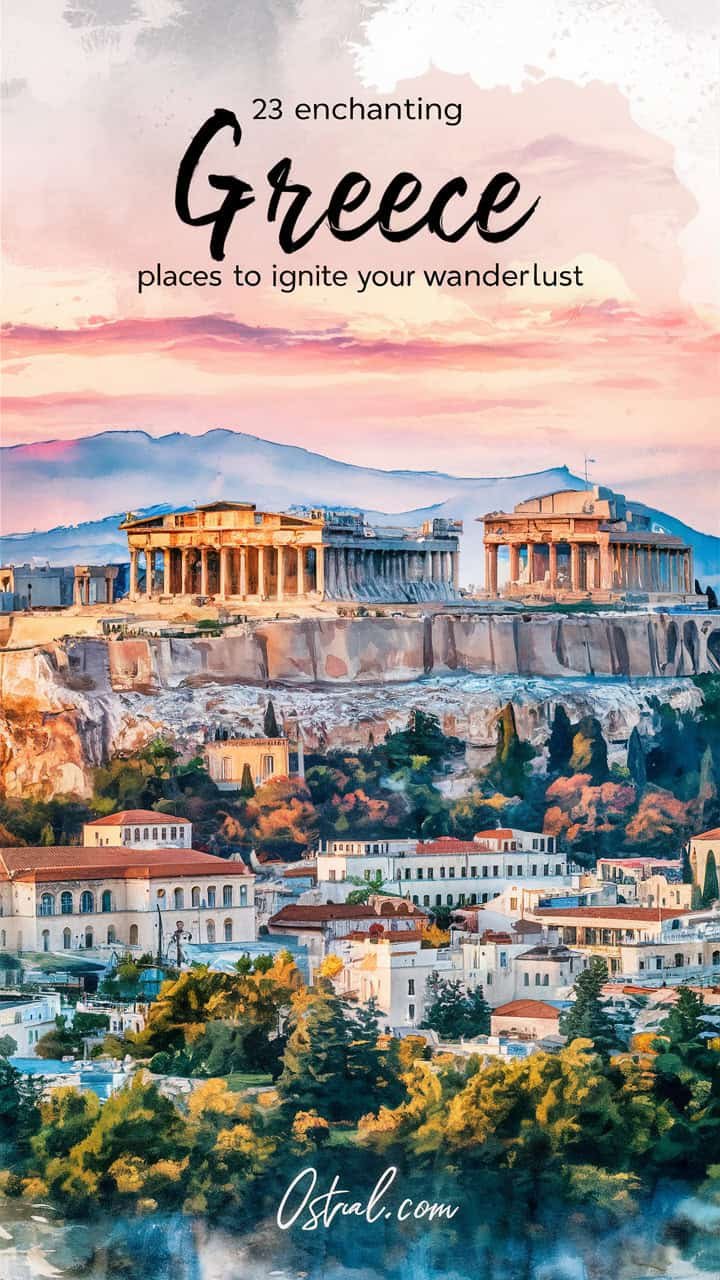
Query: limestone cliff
{"x": 69, "y": 705}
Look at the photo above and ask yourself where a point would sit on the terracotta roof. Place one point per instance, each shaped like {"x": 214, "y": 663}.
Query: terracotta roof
{"x": 630, "y": 914}
{"x": 446, "y": 844}
{"x": 527, "y": 1009}
{"x": 713, "y": 834}
{"x": 72, "y": 862}
{"x": 130, "y": 817}
{"x": 306, "y": 871}
{"x": 500, "y": 833}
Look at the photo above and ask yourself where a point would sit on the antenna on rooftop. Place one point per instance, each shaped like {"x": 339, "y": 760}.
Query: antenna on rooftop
{"x": 588, "y": 460}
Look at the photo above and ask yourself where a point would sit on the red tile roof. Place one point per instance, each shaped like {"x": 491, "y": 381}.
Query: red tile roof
{"x": 713, "y": 834}
{"x": 499, "y": 833}
{"x": 526, "y": 1009}
{"x": 447, "y": 844}
{"x": 73, "y": 862}
{"x": 629, "y": 914}
{"x": 130, "y": 817}
{"x": 321, "y": 913}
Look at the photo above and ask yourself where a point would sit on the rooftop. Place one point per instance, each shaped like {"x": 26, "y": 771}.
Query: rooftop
{"x": 131, "y": 817}
{"x": 71, "y": 862}
{"x": 630, "y": 914}
{"x": 527, "y": 1009}
{"x": 713, "y": 834}
{"x": 321, "y": 913}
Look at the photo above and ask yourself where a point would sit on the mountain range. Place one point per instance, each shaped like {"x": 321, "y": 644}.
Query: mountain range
{"x": 118, "y": 471}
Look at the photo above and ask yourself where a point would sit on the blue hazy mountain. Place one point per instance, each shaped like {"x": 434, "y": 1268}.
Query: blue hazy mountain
{"x": 118, "y": 471}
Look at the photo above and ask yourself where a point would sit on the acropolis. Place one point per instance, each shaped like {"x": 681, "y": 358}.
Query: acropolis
{"x": 232, "y": 550}
{"x": 587, "y": 541}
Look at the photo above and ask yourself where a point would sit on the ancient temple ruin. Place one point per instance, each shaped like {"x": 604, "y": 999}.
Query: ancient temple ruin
{"x": 230, "y": 550}
{"x": 587, "y": 541}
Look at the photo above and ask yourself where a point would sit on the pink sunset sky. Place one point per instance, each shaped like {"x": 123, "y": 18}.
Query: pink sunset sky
{"x": 101, "y": 100}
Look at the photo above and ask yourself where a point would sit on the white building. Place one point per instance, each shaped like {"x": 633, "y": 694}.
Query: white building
{"x": 444, "y": 872}
{"x": 69, "y": 898}
{"x": 395, "y": 969}
{"x": 642, "y": 944}
{"x": 650, "y": 882}
{"x": 139, "y": 829}
{"x": 26, "y": 1019}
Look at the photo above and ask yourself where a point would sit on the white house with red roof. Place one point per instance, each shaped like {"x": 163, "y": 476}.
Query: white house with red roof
{"x": 446, "y": 871}
{"x": 139, "y": 829}
{"x": 70, "y": 898}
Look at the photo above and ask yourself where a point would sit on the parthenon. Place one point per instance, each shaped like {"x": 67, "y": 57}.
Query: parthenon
{"x": 230, "y": 550}
{"x": 587, "y": 541}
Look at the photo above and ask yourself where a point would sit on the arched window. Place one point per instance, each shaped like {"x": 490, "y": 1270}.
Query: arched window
{"x": 133, "y": 935}
{"x": 179, "y": 899}
{"x": 66, "y": 903}
{"x": 107, "y": 900}
{"x": 87, "y": 902}
{"x": 67, "y": 939}
{"x": 146, "y": 833}
{"x": 111, "y": 934}
{"x": 137, "y": 834}
{"x": 716, "y": 957}
{"x": 227, "y": 895}
{"x": 227, "y": 930}
{"x": 89, "y": 939}
{"x": 211, "y": 930}
{"x": 211, "y": 895}
{"x": 47, "y": 904}
{"x": 195, "y": 896}
{"x": 46, "y": 939}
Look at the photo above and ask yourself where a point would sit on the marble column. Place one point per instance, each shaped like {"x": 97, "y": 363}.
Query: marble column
{"x": 300, "y": 556}
{"x": 108, "y": 588}
{"x": 204, "y": 578}
{"x": 552, "y": 563}
{"x": 530, "y": 561}
{"x": 606, "y": 574}
{"x": 242, "y": 584}
{"x": 427, "y": 567}
{"x": 492, "y": 584}
{"x": 167, "y": 564}
{"x": 224, "y": 584}
{"x": 261, "y": 587}
{"x": 149, "y": 573}
{"x": 514, "y": 561}
{"x": 456, "y": 570}
{"x": 320, "y": 570}
{"x": 185, "y": 571}
{"x": 280, "y": 572}
{"x": 575, "y": 566}
{"x": 133, "y": 573}
{"x": 78, "y": 590}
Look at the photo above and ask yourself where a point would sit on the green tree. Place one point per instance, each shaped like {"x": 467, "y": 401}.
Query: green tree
{"x": 589, "y": 754}
{"x": 247, "y": 786}
{"x": 636, "y": 761}
{"x": 711, "y": 892}
{"x": 560, "y": 742}
{"x": 509, "y": 770}
{"x": 270, "y": 724}
{"x": 315, "y": 1075}
{"x": 452, "y": 1012}
{"x": 47, "y": 835}
{"x": 587, "y": 1017}
{"x": 19, "y": 1108}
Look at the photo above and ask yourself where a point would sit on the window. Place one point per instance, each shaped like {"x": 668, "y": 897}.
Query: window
{"x": 195, "y": 896}
{"x": 89, "y": 939}
{"x": 47, "y": 904}
{"x": 267, "y": 765}
{"x": 411, "y": 986}
{"x": 145, "y": 833}
{"x": 87, "y": 902}
{"x": 46, "y": 939}
{"x": 227, "y": 895}
{"x": 495, "y": 872}
{"x": 163, "y": 833}
{"x": 173, "y": 833}
{"x": 534, "y": 868}
{"x": 106, "y": 901}
{"x": 211, "y": 895}
{"x": 154, "y": 831}
{"x": 226, "y": 769}
{"x": 332, "y": 876}
{"x": 419, "y": 873}
{"x": 546, "y": 980}
{"x": 426, "y": 900}
{"x": 537, "y": 979}
{"x": 416, "y": 900}
{"x": 438, "y": 899}
{"x": 111, "y": 934}
{"x": 430, "y": 873}
{"x": 558, "y": 868}
{"x": 486, "y": 872}
{"x": 67, "y": 939}
{"x": 449, "y": 899}
{"x": 473, "y": 872}
{"x": 243, "y": 895}
{"x": 137, "y": 833}
{"x": 66, "y": 903}
{"x": 452, "y": 873}
{"x": 534, "y": 844}
{"x": 526, "y": 979}
{"x": 489, "y": 981}
{"x": 411, "y": 1012}
{"x": 513, "y": 904}
{"x": 442, "y": 873}
{"x": 133, "y": 936}
{"x": 227, "y": 930}
{"x": 546, "y": 869}
{"x": 179, "y": 899}
{"x": 503, "y": 959}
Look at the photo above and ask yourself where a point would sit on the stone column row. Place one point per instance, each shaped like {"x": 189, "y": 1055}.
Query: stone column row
{"x": 233, "y": 573}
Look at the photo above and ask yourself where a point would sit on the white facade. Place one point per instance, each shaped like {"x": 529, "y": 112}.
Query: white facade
{"x": 139, "y": 829}
{"x": 115, "y": 899}
{"x": 444, "y": 872}
{"x": 27, "y": 1019}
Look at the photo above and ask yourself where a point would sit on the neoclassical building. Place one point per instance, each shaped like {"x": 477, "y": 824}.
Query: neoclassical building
{"x": 584, "y": 540}
{"x": 69, "y": 898}
{"x": 230, "y": 550}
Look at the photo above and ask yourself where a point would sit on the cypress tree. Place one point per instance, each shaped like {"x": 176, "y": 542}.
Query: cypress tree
{"x": 270, "y": 724}
{"x": 247, "y": 786}
{"x": 315, "y": 1061}
{"x": 587, "y": 1018}
{"x": 636, "y": 760}
{"x": 711, "y": 891}
{"x": 589, "y": 753}
{"x": 560, "y": 742}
